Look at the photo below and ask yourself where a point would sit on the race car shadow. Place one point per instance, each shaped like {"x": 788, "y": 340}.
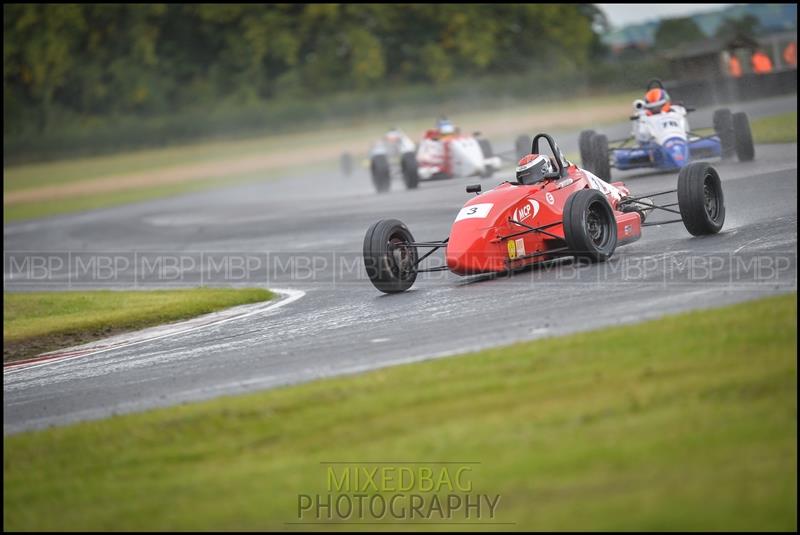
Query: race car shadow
{"x": 532, "y": 268}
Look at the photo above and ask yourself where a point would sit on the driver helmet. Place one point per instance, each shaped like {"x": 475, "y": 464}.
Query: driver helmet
{"x": 533, "y": 168}
{"x": 657, "y": 100}
{"x": 445, "y": 127}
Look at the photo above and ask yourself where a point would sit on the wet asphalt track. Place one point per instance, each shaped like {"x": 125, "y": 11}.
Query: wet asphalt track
{"x": 305, "y": 233}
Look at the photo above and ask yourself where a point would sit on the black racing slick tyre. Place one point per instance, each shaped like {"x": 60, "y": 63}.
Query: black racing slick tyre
{"x": 723, "y": 127}
{"x": 381, "y": 175}
{"x": 408, "y": 165}
{"x": 590, "y": 228}
{"x": 391, "y": 266}
{"x": 486, "y": 148}
{"x": 585, "y": 147}
{"x": 745, "y": 150}
{"x": 700, "y": 199}
{"x": 600, "y": 164}
{"x": 522, "y": 146}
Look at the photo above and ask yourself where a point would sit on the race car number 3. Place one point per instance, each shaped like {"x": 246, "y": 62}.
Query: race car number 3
{"x": 475, "y": 211}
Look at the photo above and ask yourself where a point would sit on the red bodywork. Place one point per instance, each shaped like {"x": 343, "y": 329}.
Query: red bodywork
{"x": 481, "y": 238}
{"x": 445, "y": 163}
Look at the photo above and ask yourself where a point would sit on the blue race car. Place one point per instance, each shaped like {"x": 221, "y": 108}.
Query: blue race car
{"x": 661, "y": 138}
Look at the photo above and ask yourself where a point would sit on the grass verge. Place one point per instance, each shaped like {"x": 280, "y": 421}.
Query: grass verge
{"x": 781, "y": 128}
{"x": 35, "y": 322}
{"x": 688, "y": 422}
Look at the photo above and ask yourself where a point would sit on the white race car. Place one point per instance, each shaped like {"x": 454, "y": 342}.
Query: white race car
{"x": 443, "y": 153}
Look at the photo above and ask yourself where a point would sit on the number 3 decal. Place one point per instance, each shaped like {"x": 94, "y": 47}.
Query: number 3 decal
{"x": 475, "y": 211}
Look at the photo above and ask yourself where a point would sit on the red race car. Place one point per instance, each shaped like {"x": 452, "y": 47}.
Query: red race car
{"x": 554, "y": 209}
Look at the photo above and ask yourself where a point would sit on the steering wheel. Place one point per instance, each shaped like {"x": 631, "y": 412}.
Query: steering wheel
{"x": 556, "y": 154}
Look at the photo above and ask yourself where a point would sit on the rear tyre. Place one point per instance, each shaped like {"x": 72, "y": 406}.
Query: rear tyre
{"x": 723, "y": 127}
{"x": 381, "y": 176}
{"x": 408, "y": 165}
{"x": 346, "y": 164}
{"x": 522, "y": 146}
{"x": 590, "y": 228}
{"x": 700, "y": 199}
{"x": 486, "y": 148}
{"x": 391, "y": 266}
{"x": 585, "y": 147}
{"x": 599, "y": 159}
{"x": 745, "y": 150}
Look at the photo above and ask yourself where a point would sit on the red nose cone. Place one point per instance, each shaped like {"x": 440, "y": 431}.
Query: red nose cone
{"x": 470, "y": 251}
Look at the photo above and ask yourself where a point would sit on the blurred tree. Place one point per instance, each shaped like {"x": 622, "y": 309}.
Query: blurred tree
{"x": 674, "y": 32}
{"x": 73, "y": 63}
{"x": 745, "y": 27}
{"x": 600, "y": 26}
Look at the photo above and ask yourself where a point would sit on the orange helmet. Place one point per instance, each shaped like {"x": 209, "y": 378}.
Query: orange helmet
{"x": 656, "y": 100}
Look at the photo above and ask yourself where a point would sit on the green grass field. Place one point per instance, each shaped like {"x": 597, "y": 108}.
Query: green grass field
{"x": 688, "y": 422}
{"x": 34, "y": 322}
{"x": 780, "y": 128}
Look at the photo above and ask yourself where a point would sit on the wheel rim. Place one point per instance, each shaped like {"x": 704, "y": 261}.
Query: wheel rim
{"x": 710, "y": 198}
{"x": 597, "y": 225}
{"x": 401, "y": 259}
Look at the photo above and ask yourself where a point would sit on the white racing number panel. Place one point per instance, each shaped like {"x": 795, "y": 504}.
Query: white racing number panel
{"x": 474, "y": 211}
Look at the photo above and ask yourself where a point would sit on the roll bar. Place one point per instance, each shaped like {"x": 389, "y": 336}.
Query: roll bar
{"x": 556, "y": 154}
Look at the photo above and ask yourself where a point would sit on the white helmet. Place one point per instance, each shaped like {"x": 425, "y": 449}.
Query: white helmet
{"x": 533, "y": 168}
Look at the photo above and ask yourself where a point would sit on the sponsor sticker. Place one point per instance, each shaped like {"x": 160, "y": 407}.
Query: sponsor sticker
{"x": 520, "y": 247}
{"x": 550, "y": 198}
{"x": 474, "y": 211}
{"x": 512, "y": 249}
{"x": 530, "y": 209}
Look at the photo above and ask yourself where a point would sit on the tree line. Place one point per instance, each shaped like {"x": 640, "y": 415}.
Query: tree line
{"x": 66, "y": 63}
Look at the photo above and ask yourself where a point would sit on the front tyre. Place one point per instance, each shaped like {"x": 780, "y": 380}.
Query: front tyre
{"x": 590, "y": 228}
{"x": 381, "y": 175}
{"x": 745, "y": 150}
{"x": 700, "y": 199}
{"x": 391, "y": 266}
{"x": 408, "y": 165}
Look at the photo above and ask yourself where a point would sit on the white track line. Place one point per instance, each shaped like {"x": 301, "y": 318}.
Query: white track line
{"x": 291, "y": 297}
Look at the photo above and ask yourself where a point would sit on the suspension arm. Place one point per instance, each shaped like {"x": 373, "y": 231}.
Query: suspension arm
{"x": 532, "y": 229}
